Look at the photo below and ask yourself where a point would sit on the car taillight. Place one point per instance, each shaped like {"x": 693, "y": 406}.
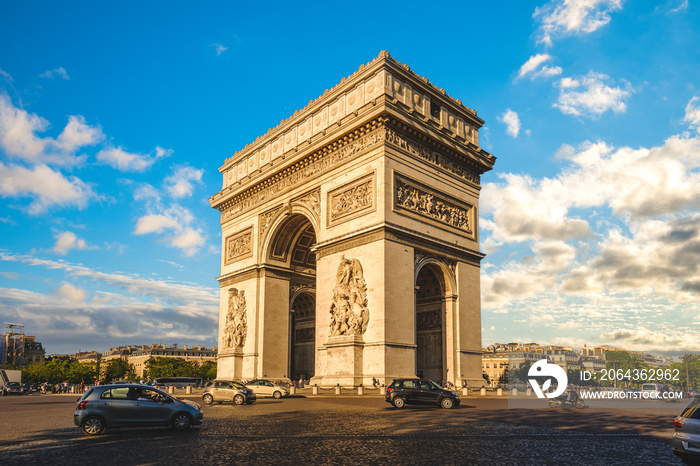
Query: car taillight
{"x": 389, "y": 390}
{"x": 82, "y": 404}
{"x": 677, "y": 422}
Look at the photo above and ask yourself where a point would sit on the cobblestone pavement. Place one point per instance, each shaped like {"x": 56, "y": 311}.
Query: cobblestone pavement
{"x": 334, "y": 430}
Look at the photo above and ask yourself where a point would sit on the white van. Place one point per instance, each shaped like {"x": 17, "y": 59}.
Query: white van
{"x": 652, "y": 391}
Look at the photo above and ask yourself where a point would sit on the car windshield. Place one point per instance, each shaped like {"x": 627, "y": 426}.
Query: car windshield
{"x": 692, "y": 411}
{"x": 238, "y": 385}
{"x": 434, "y": 385}
{"x": 13, "y": 384}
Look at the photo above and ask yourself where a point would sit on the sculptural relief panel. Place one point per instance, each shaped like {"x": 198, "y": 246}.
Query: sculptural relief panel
{"x": 414, "y": 198}
{"x": 352, "y": 200}
{"x": 236, "y": 325}
{"x": 239, "y": 245}
{"x": 349, "y": 314}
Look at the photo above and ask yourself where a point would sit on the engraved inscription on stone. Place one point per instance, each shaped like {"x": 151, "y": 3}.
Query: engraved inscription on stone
{"x": 426, "y": 203}
{"x": 351, "y": 201}
{"x": 239, "y": 245}
{"x": 349, "y": 313}
{"x": 236, "y": 326}
{"x": 428, "y": 320}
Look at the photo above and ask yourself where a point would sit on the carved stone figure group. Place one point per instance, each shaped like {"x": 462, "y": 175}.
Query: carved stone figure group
{"x": 349, "y": 313}
{"x": 236, "y": 327}
{"x": 427, "y": 204}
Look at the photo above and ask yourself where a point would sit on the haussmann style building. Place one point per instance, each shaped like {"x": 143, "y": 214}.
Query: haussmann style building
{"x": 350, "y": 240}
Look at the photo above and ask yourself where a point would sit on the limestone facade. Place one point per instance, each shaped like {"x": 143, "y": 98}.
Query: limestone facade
{"x": 351, "y": 231}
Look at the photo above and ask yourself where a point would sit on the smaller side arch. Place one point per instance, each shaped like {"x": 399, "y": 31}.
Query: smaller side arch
{"x": 450, "y": 281}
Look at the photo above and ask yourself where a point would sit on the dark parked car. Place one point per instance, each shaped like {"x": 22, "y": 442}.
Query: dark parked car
{"x": 693, "y": 392}
{"x": 123, "y": 405}
{"x": 419, "y": 391}
{"x": 686, "y": 440}
{"x": 13, "y": 388}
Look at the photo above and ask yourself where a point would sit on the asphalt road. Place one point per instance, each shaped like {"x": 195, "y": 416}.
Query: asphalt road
{"x": 38, "y": 429}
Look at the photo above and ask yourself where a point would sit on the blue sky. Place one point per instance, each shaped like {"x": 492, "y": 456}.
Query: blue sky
{"x": 115, "y": 119}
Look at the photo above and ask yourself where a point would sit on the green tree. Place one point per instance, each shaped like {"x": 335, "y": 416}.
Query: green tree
{"x": 170, "y": 367}
{"x": 486, "y": 378}
{"x": 118, "y": 369}
{"x": 207, "y": 370}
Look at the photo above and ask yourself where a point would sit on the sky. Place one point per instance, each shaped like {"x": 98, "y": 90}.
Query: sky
{"x": 114, "y": 120}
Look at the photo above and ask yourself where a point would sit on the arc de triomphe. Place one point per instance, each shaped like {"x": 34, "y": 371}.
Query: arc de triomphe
{"x": 350, "y": 246}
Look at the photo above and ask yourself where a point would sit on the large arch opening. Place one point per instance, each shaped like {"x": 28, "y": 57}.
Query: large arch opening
{"x": 291, "y": 247}
{"x": 430, "y": 323}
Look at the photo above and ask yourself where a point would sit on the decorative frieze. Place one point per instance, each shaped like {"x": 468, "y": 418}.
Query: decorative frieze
{"x": 451, "y": 164}
{"x": 351, "y": 200}
{"x": 312, "y": 200}
{"x": 412, "y": 197}
{"x": 306, "y": 169}
{"x": 266, "y": 221}
{"x": 428, "y": 320}
{"x": 239, "y": 245}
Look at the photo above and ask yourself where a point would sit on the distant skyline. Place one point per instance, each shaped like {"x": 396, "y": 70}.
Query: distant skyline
{"x": 115, "y": 119}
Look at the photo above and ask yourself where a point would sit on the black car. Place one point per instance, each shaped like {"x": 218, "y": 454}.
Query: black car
{"x": 419, "y": 391}
{"x": 13, "y": 388}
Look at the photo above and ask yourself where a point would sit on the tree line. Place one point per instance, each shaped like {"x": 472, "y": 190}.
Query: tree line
{"x": 61, "y": 369}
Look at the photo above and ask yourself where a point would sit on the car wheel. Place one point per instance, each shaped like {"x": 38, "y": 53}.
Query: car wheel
{"x": 93, "y": 425}
{"x": 398, "y": 402}
{"x": 208, "y": 399}
{"x": 446, "y": 403}
{"x": 238, "y": 399}
{"x": 182, "y": 421}
{"x": 277, "y": 394}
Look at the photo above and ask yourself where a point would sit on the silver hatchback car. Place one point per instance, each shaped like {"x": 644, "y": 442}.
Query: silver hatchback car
{"x": 218, "y": 391}
{"x": 686, "y": 440}
{"x": 122, "y": 405}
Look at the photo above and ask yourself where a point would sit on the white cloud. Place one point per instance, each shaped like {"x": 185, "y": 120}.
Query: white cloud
{"x": 512, "y": 122}
{"x": 534, "y": 67}
{"x": 118, "y": 158}
{"x": 692, "y": 113}
{"x": 219, "y": 48}
{"x": 67, "y": 240}
{"x": 5, "y": 75}
{"x": 562, "y": 18}
{"x": 615, "y": 220}
{"x": 174, "y": 224}
{"x": 71, "y": 292}
{"x": 47, "y": 187}
{"x": 78, "y": 134}
{"x": 60, "y": 71}
{"x": 125, "y": 309}
{"x": 155, "y": 224}
{"x": 18, "y": 138}
{"x": 591, "y": 96}
{"x": 179, "y": 184}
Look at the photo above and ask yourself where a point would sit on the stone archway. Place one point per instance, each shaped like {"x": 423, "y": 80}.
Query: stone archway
{"x": 302, "y": 356}
{"x": 430, "y": 323}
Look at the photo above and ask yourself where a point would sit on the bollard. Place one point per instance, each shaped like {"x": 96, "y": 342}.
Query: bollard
{"x": 292, "y": 390}
{"x": 465, "y": 391}
{"x": 188, "y": 390}
{"x": 499, "y": 392}
{"x": 337, "y": 389}
{"x": 315, "y": 390}
{"x": 528, "y": 392}
{"x": 515, "y": 392}
{"x": 483, "y": 392}
{"x": 382, "y": 390}
{"x": 171, "y": 389}
{"x": 360, "y": 390}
